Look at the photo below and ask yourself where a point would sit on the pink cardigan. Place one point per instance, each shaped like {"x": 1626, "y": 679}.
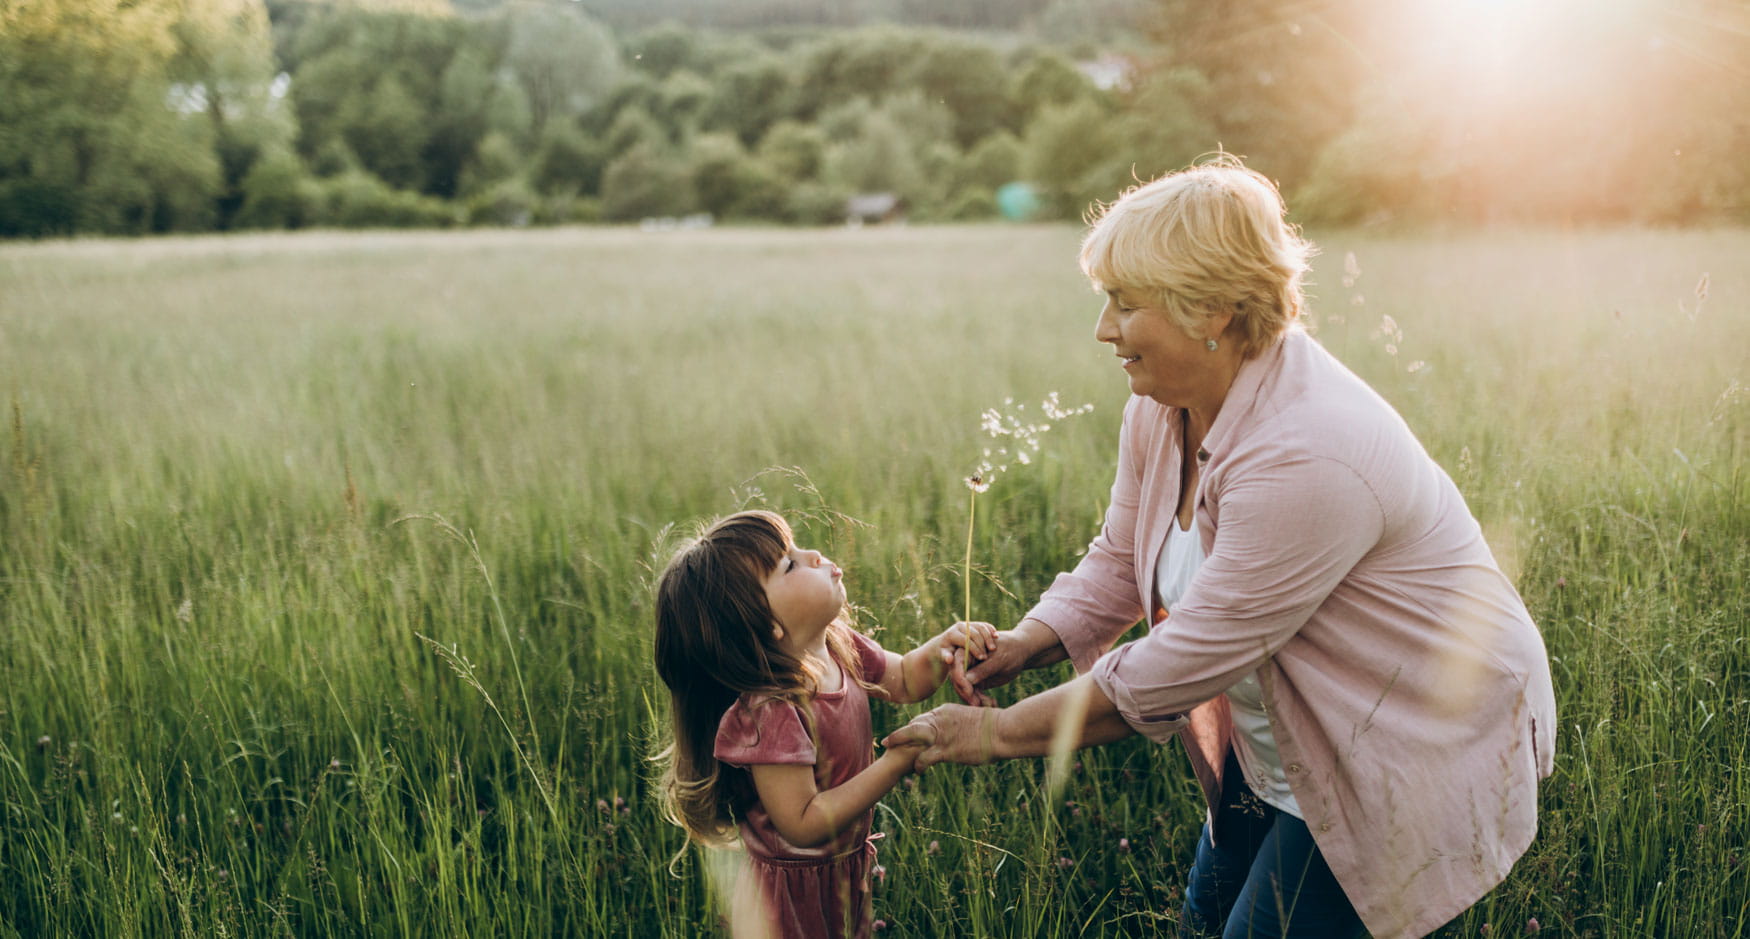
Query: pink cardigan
{"x": 1407, "y": 687}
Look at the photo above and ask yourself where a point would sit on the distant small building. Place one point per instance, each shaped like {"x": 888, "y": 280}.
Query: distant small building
{"x": 1108, "y": 73}
{"x": 874, "y": 208}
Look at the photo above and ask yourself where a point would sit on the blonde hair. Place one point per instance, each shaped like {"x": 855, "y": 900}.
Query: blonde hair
{"x": 714, "y": 643}
{"x": 1203, "y": 241}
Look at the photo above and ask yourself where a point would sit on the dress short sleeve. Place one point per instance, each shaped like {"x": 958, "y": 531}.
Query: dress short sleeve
{"x": 871, "y": 657}
{"x": 763, "y": 734}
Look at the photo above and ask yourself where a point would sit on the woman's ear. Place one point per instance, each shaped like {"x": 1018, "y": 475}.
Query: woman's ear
{"x": 1218, "y": 322}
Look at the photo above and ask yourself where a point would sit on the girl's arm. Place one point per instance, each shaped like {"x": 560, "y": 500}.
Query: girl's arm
{"x": 917, "y": 674}
{"x": 809, "y": 818}
{"x": 1069, "y": 717}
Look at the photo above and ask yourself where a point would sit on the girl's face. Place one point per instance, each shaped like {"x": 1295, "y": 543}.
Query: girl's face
{"x": 805, "y": 593}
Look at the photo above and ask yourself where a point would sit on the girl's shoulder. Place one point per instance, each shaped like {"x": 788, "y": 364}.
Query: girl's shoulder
{"x": 758, "y": 729}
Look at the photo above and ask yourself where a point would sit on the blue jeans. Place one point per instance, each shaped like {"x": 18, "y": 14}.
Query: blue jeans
{"x": 1266, "y": 880}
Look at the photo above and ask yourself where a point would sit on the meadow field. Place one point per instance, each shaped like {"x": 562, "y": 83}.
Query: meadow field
{"x": 325, "y": 560}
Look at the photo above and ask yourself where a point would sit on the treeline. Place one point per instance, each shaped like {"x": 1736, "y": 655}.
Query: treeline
{"x": 133, "y": 116}
{"x": 175, "y": 115}
{"x": 1055, "y": 20}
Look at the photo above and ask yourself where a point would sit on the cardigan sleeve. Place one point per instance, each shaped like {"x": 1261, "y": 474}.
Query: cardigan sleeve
{"x": 1291, "y": 529}
{"x": 1091, "y": 606}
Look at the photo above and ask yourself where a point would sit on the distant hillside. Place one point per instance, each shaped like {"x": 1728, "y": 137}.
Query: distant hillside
{"x": 1057, "y": 20}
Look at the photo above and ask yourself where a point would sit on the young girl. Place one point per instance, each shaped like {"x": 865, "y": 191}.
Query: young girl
{"x": 772, "y": 736}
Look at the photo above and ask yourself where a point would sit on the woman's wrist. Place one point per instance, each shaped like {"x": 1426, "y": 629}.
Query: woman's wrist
{"x": 1040, "y": 642}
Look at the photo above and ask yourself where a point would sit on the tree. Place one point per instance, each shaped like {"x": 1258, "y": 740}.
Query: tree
{"x": 567, "y": 162}
{"x": 1068, "y": 152}
{"x": 89, "y": 140}
{"x": 224, "y": 59}
{"x": 646, "y": 181}
{"x": 564, "y": 60}
{"x": 749, "y": 97}
{"x": 1282, "y": 75}
{"x": 970, "y": 80}
{"x": 795, "y": 151}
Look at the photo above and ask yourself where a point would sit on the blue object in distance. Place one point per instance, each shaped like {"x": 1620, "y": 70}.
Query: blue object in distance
{"x": 1018, "y": 201}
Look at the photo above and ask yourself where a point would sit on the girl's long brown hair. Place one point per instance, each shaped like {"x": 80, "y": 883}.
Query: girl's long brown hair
{"x": 714, "y": 643}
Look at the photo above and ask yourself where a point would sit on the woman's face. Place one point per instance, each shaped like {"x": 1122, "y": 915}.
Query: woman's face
{"x": 1161, "y": 360}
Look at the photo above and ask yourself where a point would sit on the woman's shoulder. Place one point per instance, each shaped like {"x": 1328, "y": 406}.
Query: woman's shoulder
{"x": 1316, "y": 402}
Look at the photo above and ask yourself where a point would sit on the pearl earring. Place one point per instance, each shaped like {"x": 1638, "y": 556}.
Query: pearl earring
{"x": 1212, "y": 344}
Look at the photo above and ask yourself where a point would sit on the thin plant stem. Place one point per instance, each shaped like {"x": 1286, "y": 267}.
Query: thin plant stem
{"x": 966, "y": 567}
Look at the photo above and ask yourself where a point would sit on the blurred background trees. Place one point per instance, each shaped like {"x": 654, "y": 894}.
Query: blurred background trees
{"x": 137, "y": 116}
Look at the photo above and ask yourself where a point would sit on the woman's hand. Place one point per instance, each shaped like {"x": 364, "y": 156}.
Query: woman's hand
{"x": 1030, "y": 644}
{"x": 952, "y": 733}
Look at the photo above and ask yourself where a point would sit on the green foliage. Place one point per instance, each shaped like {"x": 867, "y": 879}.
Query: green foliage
{"x": 508, "y": 202}
{"x": 563, "y": 60}
{"x": 970, "y": 80}
{"x": 155, "y": 121}
{"x": 567, "y": 161}
{"x": 497, "y": 159}
{"x": 357, "y": 199}
{"x": 1069, "y": 151}
{"x": 986, "y": 167}
{"x": 750, "y": 97}
{"x": 100, "y": 105}
{"x": 731, "y": 184}
{"x": 795, "y": 151}
{"x": 276, "y": 193}
{"x": 646, "y": 181}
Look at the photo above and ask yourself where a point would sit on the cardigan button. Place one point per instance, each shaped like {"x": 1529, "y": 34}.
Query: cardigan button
{"x": 1324, "y": 827}
{"x": 1202, "y": 454}
{"x": 1294, "y": 767}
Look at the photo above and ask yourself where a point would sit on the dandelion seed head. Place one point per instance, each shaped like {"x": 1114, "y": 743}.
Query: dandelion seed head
{"x": 1415, "y": 366}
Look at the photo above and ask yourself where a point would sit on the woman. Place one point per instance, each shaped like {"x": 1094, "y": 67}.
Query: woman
{"x": 1363, "y": 695}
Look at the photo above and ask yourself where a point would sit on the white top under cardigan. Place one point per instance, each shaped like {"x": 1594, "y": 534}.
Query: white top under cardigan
{"x": 1255, "y": 744}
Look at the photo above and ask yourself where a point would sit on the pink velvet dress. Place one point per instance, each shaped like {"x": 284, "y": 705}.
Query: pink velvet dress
{"x": 805, "y": 893}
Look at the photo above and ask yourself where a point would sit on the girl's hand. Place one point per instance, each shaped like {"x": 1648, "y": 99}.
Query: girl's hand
{"x": 1031, "y": 644}
{"x": 962, "y": 644}
{"x": 979, "y": 640}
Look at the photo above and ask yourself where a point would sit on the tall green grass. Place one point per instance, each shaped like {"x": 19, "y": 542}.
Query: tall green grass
{"x": 324, "y": 560}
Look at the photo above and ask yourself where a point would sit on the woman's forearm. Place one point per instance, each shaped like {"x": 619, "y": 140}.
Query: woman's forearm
{"x": 1043, "y": 645}
{"x": 1073, "y": 715}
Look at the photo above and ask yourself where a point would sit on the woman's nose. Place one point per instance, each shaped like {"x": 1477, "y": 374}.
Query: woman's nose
{"x": 815, "y": 558}
{"x": 1106, "y": 327}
